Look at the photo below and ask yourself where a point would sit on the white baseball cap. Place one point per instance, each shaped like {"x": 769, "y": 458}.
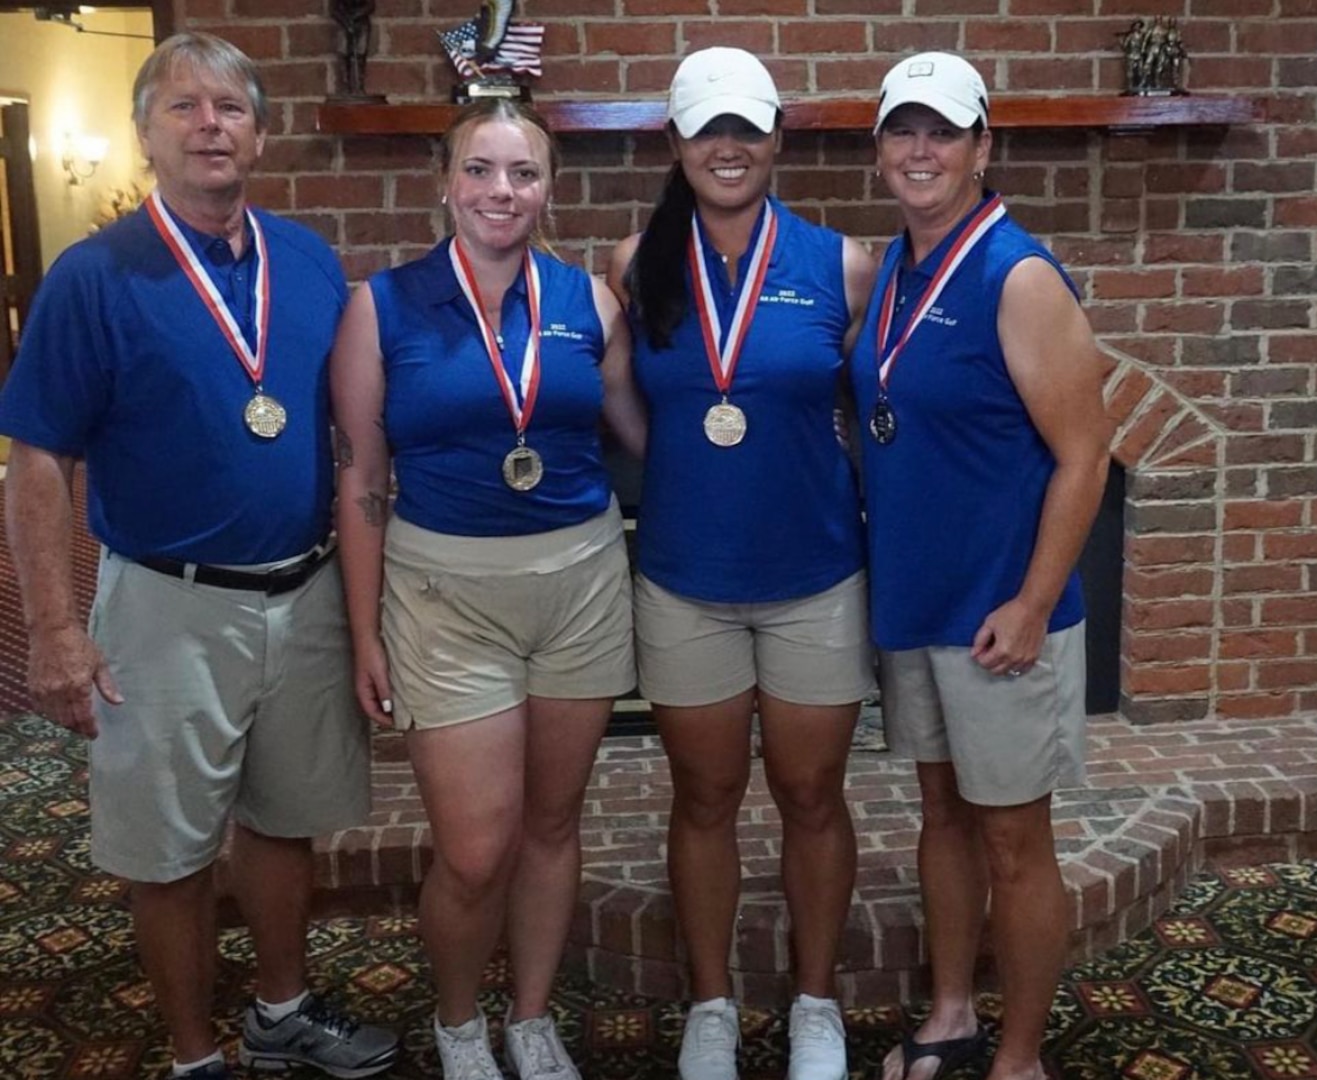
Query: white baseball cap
{"x": 946, "y": 83}
{"x": 718, "y": 81}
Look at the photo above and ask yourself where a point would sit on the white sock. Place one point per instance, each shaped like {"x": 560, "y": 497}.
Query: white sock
{"x": 812, "y": 1002}
{"x": 717, "y": 1004}
{"x": 182, "y": 1068}
{"x": 278, "y": 1011}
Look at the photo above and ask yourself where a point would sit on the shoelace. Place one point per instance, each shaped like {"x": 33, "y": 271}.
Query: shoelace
{"x": 338, "y": 1024}
{"x": 541, "y": 1047}
{"x": 814, "y": 1025}
{"x": 714, "y": 1032}
{"x": 471, "y": 1060}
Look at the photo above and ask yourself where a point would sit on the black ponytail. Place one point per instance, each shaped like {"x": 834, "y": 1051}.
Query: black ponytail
{"x": 656, "y": 279}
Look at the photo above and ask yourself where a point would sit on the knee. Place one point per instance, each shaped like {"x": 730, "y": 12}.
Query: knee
{"x": 551, "y": 827}
{"x": 706, "y": 802}
{"x": 943, "y": 808}
{"x": 477, "y": 867}
{"x": 814, "y": 801}
{"x": 1016, "y": 850}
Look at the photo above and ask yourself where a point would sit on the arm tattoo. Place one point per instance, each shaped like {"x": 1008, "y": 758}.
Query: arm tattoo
{"x": 343, "y": 444}
{"x": 374, "y": 507}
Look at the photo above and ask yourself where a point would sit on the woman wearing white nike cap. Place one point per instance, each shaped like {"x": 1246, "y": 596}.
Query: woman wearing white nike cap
{"x": 979, "y": 390}
{"x": 751, "y": 589}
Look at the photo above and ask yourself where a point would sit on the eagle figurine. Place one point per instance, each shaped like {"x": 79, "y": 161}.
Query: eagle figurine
{"x": 491, "y": 25}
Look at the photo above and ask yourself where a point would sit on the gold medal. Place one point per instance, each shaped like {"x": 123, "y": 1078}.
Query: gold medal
{"x": 523, "y": 468}
{"x": 264, "y": 416}
{"x": 724, "y": 424}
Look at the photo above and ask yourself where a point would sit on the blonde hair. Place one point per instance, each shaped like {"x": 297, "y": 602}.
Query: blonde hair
{"x": 510, "y": 111}
{"x": 204, "y": 53}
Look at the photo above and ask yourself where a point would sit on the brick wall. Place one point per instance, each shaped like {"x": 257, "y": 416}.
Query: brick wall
{"x": 1193, "y": 247}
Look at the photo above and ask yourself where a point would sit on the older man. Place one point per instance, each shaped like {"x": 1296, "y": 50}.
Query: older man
{"x": 181, "y": 353}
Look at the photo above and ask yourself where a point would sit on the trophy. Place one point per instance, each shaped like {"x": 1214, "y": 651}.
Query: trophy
{"x": 354, "y": 17}
{"x": 1154, "y": 58}
{"x": 491, "y": 52}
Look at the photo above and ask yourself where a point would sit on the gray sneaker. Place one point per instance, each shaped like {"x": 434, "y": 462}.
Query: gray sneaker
{"x": 318, "y": 1036}
{"x": 464, "y": 1050}
{"x": 216, "y": 1070}
{"x": 536, "y": 1052}
{"x": 710, "y": 1041}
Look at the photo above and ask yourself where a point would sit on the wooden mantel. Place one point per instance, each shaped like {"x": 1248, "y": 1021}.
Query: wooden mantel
{"x": 834, "y": 114}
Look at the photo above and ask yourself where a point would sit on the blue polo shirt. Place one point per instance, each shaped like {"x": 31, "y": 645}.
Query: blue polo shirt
{"x": 777, "y": 516}
{"x": 954, "y": 501}
{"x": 447, "y": 424}
{"x": 122, "y": 364}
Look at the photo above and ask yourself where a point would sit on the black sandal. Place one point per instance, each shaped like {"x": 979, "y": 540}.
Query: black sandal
{"x": 952, "y": 1053}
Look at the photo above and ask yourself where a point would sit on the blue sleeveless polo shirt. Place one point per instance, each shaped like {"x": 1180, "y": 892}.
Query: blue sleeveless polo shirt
{"x": 444, "y": 415}
{"x": 954, "y": 501}
{"x": 776, "y": 517}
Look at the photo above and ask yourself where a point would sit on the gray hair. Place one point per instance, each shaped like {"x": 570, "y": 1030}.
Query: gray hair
{"x": 204, "y": 53}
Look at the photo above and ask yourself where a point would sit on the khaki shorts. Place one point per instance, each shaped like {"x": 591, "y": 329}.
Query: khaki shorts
{"x": 810, "y": 651}
{"x": 206, "y": 731}
{"x": 473, "y": 628}
{"x": 1011, "y": 740}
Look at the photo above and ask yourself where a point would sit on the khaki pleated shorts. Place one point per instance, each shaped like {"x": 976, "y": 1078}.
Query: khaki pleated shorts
{"x": 1011, "y": 740}
{"x": 235, "y": 704}
{"x": 473, "y": 626}
{"x": 810, "y": 651}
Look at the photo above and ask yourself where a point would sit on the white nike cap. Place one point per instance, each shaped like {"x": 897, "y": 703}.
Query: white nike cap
{"x": 947, "y": 84}
{"x": 720, "y": 81}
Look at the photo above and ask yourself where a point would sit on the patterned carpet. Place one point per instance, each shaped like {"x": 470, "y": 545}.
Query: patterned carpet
{"x": 1223, "y": 987}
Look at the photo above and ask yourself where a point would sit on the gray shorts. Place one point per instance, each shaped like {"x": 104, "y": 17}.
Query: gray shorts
{"x": 1011, "y": 740}
{"x": 810, "y": 651}
{"x": 473, "y": 626}
{"x": 206, "y": 731}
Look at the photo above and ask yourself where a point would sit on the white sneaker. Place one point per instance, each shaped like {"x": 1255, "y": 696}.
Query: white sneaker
{"x": 818, "y": 1040}
{"x": 464, "y": 1051}
{"x": 709, "y": 1043}
{"x": 535, "y": 1051}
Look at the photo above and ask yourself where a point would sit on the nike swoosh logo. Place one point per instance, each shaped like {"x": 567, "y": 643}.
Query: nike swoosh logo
{"x": 718, "y": 76}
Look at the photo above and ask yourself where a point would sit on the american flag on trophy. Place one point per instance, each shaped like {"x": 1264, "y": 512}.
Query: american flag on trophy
{"x": 518, "y": 50}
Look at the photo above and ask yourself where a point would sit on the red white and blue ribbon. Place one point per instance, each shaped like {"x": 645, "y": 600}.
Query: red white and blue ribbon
{"x": 520, "y": 399}
{"x": 253, "y": 361}
{"x": 987, "y": 216}
{"x": 722, "y": 361}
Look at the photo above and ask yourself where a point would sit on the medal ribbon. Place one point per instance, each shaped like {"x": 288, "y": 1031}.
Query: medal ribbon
{"x": 252, "y": 362}
{"x": 722, "y": 362}
{"x": 520, "y": 405}
{"x": 987, "y": 216}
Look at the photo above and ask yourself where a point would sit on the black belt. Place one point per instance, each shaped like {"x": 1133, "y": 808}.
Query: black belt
{"x": 271, "y": 582}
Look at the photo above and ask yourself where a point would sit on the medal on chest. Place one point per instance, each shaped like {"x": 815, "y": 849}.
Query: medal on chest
{"x": 882, "y": 419}
{"x": 263, "y": 415}
{"x": 725, "y": 423}
{"x": 523, "y": 467}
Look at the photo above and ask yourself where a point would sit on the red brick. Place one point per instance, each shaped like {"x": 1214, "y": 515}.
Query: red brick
{"x": 1163, "y": 648}
{"x": 1068, "y": 8}
{"x": 358, "y": 192}
{"x": 583, "y": 76}
{"x": 1183, "y": 247}
{"x": 1168, "y": 584}
{"x": 753, "y": 35}
{"x": 1289, "y": 610}
{"x": 646, "y": 38}
{"x": 260, "y": 42}
{"x": 1284, "y": 37}
{"x": 1234, "y": 281}
{"x": 1296, "y": 212}
{"x": 1167, "y": 614}
{"x": 1052, "y": 73}
{"x": 1139, "y": 436}
{"x": 822, "y": 36}
{"x": 1006, "y": 35}
{"x": 1231, "y": 72}
{"x": 665, "y": 7}
{"x": 1192, "y": 178}
{"x": 1286, "y": 675}
{"x": 1183, "y": 318}
{"x": 1168, "y": 550}
{"x": 1251, "y": 644}
{"x": 1133, "y": 284}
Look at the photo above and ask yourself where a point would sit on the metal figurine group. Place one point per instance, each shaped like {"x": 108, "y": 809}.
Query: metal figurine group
{"x": 1154, "y": 57}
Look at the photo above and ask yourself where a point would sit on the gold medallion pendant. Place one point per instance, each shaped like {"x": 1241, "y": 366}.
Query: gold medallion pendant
{"x": 264, "y": 416}
{"x": 523, "y": 468}
{"x": 724, "y": 424}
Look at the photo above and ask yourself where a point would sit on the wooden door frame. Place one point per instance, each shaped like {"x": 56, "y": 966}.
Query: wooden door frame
{"x": 162, "y": 11}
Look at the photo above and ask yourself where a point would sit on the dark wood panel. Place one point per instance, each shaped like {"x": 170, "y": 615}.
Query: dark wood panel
{"x": 1089, "y": 111}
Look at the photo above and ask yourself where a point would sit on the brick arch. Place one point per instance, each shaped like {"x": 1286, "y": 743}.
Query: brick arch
{"x": 1156, "y": 428}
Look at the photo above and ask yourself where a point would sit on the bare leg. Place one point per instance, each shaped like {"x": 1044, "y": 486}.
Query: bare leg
{"x": 708, "y": 749}
{"x": 471, "y": 778}
{"x": 953, "y": 884}
{"x": 805, "y": 750}
{"x": 272, "y": 881}
{"x": 1028, "y": 929}
{"x": 561, "y": 740}
{"x": 175, "y": 928}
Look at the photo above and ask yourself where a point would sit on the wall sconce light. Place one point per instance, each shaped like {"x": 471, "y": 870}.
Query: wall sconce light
{"x": 82, "y": 154}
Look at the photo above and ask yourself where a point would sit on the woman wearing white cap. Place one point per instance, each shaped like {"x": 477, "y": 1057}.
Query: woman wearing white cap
{"x": 979, "y": 389}
{"x": 751, "y": 590}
